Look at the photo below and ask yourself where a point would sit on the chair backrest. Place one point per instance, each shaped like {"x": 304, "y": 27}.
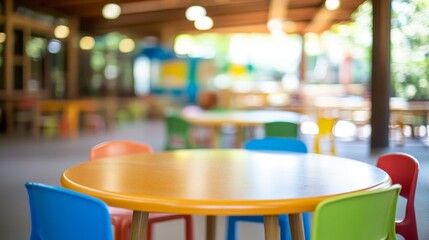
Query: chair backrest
{"x": 62, "y": 214}
{"x": 117, "y": 148}
{"x": 360, "y": 215}
{"x": 178, "y": 133}
{"x": 276, "y": 144}
{"x": 326, "y": 125}
{"x": 403, "y": 169}
{"x": 281, "y": 129}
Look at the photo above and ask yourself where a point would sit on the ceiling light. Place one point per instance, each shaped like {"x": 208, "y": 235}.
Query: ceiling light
{"x": 86, "y": 43}
{"x": 203, "y": 23}
{"x": 274, "y": 24}
{"x": 54, "y": 46}
{"x": 111, "y": 11}
{"x": 126, "y": 45}
{"x": 195, "y": 12}
{"x": 61, "y": 31}
{"x": 332, "y": 4}
{"x": 2, "y": 37}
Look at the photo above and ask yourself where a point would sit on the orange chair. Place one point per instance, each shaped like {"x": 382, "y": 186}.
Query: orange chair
{"x": 122, "y": 218}
{"x": 403, "y": 169}
{"x": 326, "y": 127}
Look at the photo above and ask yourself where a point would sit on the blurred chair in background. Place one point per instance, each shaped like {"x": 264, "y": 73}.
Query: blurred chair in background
{"x": 326, "y": 128}
{"x": 276, "y": 144}
{"x": 58, "y": 213}
{"x": 122, "y": 218}
{"x": 403, "y": 169}
{"x": 281, "y": 129}
{"x": 178, "y": 133}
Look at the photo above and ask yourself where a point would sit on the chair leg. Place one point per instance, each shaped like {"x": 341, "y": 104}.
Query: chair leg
{"x": 285, "y": 229}
{"x": 189, "y": 228}
{"x": 332, "y": 145}
{"x": 408, "y": 230}
{"x": 231, "y": 229}
{"x": 307, "y": 226}
{"x": 189, "y": 231}
{"x": 118, "y": 228}
{"x": 317, "y": 144}
{"x": 150, "y": 230}
{"x": 126, "y": 226}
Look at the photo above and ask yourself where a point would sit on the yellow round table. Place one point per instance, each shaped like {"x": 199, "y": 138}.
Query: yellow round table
{"x": 240, "y": 119}
{"x": 222, "y": 182}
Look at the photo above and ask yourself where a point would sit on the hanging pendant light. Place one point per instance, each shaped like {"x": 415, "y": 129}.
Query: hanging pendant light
{"x": 61, "y": 31}
{"x": 203, "y": 23}
{"x": 111, "y": 11}
{"x": 195, "y": 12}
{"x": 332, "y": 4}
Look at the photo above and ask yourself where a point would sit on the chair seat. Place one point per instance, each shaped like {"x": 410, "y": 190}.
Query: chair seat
{"x": 125, "y": 212}
{"x": 119, "y": 211}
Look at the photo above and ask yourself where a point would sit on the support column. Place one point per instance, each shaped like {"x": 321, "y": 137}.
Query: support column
{"x": 380, "y": 78}
{"x": 303, "y": 62}
{"x": 72, "y": 58}
{"x": 8, "y": 65}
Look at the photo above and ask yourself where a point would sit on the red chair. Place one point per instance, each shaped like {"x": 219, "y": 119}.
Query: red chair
{"x": 122, "y": 218}
{"x": 403, "y": 169}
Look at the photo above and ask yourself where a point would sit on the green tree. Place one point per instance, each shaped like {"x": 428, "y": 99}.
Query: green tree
{"x": 410, "y": 49}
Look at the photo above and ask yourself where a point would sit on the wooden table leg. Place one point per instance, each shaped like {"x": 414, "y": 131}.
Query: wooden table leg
{"x": 216, "y": 137}
{"x": 72, "y": 115}
{"x": 139, "y": 225}
{"x": 296, "y": 226}
{"x": 210, "y": 227}
{"x": 271, "y": 226}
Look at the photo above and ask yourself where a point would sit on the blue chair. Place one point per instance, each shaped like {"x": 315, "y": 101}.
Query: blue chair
{"x": 271, "y": 144}
{"x": 62, "y": 214}
{"x": 276, "y": 144}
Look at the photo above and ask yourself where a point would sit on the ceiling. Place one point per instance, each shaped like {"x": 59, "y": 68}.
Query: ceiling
{"x": 167, "y": 17}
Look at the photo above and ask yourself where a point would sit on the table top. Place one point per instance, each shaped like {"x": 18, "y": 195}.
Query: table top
{"x": 222, "y": 181}
{"x": 240, "y": 117}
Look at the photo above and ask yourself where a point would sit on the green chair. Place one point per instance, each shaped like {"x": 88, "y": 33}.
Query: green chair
{"x": 178, "y": 133}
{"x": 362, "y": 215}
{"x": 281, "y": 129}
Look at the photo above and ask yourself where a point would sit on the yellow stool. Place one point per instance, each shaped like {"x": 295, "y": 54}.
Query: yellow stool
{"x": 326, "y": 127}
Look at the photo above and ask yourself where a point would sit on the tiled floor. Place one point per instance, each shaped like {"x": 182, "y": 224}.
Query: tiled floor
{"x": 24, "y": 159}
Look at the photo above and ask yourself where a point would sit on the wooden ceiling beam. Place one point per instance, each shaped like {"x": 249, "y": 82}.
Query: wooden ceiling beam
{"x": 278, "y": 10}
{"x": 321, "y": 20}
{"x": 154, "y": 15}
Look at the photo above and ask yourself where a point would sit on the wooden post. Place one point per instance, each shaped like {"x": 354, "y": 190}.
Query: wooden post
{"x": 8, "y": 64}
{"x": 380, "y": 78}
{"x": 72, "y": 55}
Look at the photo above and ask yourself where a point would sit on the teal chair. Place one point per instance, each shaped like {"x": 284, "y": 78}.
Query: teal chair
{"x": 281, "y": 129}
{"x": 62, "y": 214}
{"x": 357, "y": 216}
{"x": 178, "y": 133}
{"x": 276, "y": 144}
{"x": 271, "y": 144}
